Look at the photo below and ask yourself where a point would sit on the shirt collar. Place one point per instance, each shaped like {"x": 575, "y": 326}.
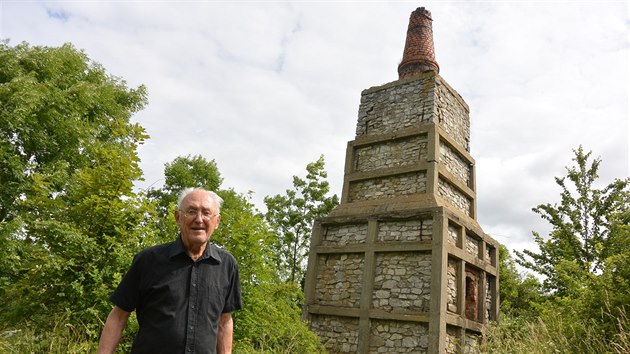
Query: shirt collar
{"x": 209, "y": 252}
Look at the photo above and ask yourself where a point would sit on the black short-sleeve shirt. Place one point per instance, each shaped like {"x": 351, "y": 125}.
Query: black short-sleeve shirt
{"x": 178, "y": 302}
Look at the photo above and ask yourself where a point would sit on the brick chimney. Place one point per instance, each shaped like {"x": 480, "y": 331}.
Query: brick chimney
{"x": 419, "y": 55}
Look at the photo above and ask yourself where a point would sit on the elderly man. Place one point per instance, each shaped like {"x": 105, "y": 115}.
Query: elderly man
{"x": 183, "y": 292}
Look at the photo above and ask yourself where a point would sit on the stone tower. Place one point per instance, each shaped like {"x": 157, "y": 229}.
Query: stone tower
{"x": 401, "y": 265}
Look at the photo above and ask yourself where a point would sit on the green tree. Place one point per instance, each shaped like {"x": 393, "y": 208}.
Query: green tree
{"x": 519, "y": 293}
{"x": 609, "y": 290}
{"x": 582, "y": 237}
{"x": 68, "y": 160}
{"x": 617, "y": 264}
{"x": 181, "y": 173}
{"x": 584, "y": 259}
{"x": 58, "y": 110}
{"x": 292, "y": 215}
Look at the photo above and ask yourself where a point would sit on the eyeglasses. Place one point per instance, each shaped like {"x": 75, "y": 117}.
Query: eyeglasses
{"x": 205, "y": 214}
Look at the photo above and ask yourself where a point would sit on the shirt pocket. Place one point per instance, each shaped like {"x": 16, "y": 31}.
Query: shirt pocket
{"x": 214, "y": 300}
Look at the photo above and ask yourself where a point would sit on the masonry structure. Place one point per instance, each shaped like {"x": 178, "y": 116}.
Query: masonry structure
{"x": 401, "y": 265}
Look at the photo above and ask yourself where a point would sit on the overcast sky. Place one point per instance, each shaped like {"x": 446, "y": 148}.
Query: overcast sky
{"x": 265, "y": 87}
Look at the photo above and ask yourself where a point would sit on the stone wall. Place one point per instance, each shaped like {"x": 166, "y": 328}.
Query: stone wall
{"x": 452, "y": 115}
{"x": 398, "y": 337}
{"x": 340, "y": 235}
{"x": 455, "y": 164}
{"x": 488, "y": 308}
{"x": 388, "y": 187}
{"x": 472, "y": 245}
{"x": 393, "y": 153}
{"x": 339, "y": 334}
{"x": 451, "y": 286}
{"x": 471, "y": 343}
{"x": 399, "y": 106}
{"x": 396, "y": 107}
{"x": 402, "y": 282}
{"x": 453, "y": 234}
{"x": 339, "y": 279}
{"x": 452, "y": 339}
{"x": 405, "y": 230}
{"x": 453, "y": 196}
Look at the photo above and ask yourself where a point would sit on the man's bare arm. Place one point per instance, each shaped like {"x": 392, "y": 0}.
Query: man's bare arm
{"x": 112, "y": 331}
{"x": 225, "y": 333}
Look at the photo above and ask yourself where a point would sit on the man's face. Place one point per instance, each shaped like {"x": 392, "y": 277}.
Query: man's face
{"x": 197, "y": 219}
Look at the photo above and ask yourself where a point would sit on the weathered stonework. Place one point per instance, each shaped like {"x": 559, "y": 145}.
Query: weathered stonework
{"x": 452, "y": 114}
{"x": 453, "y": 234}
{"x": 339, "y": 280}
{"x": 396, "y": 108}
{"x": 472, "y": 245}
{"x": 489, "y": 299}
{"x": 452, "y": 340}
{"x": 471, "y": 343}
{"x": 388, "y": 187}
{"x": 401, "y": 264}
{"x": 339, "y": 334}
{"x": 454, "y": 197}
{"x": 451, "y": 286}
{"x": 398, "y": 337}
{"x": 344, "y": 234}
{"x": 402, "y": 282}
{"x": 405, "y": 230}
{"x": 455, "y": 164}
{"x": 395, "y": 153}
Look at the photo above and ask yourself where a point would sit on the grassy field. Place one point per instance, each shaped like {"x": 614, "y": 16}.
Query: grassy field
{"x": 513, "y": 336}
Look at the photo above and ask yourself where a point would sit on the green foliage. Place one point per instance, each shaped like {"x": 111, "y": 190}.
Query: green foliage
{"x": 246, "y": 235}
{"x": 292, "y": 216}
{"x": 58, "y": 112}
{"x": 585, "y": 262}
{"x": 583, "y": 236}
{"x": 67, "y": 166}
{"x": 614, "y": 282}
{"x": 519, "y": 293}
{"x": 70, "y": 221}
{"x": 270, "y": 322}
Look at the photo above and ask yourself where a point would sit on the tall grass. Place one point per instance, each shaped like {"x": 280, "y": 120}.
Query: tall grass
{"x": 555, "y": 335}
{"x": 512, "y": 335}
{"x": 63, "y": 339}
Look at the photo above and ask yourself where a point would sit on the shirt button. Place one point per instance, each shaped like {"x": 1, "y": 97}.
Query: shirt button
{"x": 194, "y": 285}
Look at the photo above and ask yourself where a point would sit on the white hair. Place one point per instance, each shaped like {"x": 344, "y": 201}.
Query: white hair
{"x": 218, "y": 201}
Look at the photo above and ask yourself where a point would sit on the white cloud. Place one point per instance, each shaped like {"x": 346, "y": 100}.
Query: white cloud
{"x": 265, "y": 88}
